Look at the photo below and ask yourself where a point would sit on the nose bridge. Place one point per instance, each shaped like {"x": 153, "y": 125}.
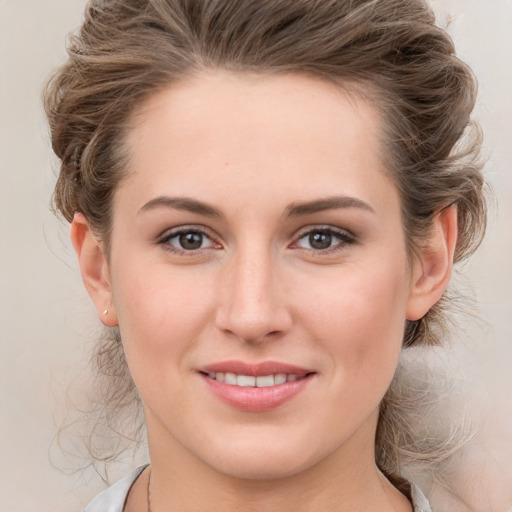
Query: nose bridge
{"x": 252, "y": 305}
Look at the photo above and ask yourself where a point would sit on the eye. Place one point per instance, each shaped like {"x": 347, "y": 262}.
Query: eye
{"x": 324, "y": 239}
{"x": 186, "y": 240}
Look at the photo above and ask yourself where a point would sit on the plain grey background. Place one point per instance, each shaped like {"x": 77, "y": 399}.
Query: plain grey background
{"x": 47, "y": 324}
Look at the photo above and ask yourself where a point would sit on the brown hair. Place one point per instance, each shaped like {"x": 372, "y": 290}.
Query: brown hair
{"x": 126, "y": 50}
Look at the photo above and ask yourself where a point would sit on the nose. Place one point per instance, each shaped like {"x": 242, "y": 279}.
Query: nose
{"x": 252, "y": 301}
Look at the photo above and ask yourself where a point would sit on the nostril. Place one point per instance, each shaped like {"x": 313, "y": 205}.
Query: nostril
{"x": 253, "y": 321}
{"x": 253, "y": 337}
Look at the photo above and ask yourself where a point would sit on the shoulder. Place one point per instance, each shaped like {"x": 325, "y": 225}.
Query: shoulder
{"x": 113, "y": 498}
{"x": 419, "y": 500}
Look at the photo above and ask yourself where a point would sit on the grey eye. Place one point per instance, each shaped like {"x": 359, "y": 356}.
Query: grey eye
{"x": 186, "y": 240}
{"x": 191, "y": 240}
{"x": 323, "y": 239}
{"x": 320, "y": 240}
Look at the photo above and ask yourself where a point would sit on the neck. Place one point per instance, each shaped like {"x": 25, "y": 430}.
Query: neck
{"x": 342, "y": 482}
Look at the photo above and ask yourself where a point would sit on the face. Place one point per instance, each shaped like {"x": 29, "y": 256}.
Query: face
{"x": 259, "y": 273}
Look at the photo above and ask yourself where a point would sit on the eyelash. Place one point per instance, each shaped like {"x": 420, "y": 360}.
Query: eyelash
{"x": 169, "y": 235}
{"x": 343, "y": 237}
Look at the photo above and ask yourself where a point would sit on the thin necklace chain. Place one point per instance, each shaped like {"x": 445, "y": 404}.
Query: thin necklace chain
{"x": 149, "y": 490}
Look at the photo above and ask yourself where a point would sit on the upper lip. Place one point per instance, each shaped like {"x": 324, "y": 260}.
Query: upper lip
{"x": 255, "y": 369}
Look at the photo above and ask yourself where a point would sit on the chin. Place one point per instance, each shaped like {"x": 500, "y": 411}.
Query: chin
{"x": 262, "y": 460}
{"x": 261, "y": 469}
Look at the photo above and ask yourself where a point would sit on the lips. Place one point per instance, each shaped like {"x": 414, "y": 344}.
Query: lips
{"x": 255, "y": 387}
{"x": 261, "y": 381}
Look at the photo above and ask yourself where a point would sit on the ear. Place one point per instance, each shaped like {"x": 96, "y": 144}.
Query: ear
{"x": 432, "y": 268}
{"x": 94, "y": 269}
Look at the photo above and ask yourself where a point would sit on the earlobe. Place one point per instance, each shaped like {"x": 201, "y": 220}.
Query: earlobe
{"x": 433, "y": 266}
{"x": 94, "y": 269}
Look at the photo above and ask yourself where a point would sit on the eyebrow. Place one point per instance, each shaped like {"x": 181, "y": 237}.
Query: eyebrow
{"x": 294, "y": 210}
{"x": 329, "y": 203}
{"x": 182, "y": 203}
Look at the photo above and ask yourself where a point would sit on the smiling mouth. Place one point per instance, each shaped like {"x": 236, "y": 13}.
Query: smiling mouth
{"x": 256, "y": 387}
{"x": 252, "y": 381}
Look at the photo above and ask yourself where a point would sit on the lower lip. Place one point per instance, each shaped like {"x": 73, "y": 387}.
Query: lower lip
{"x": 257, "y": 399}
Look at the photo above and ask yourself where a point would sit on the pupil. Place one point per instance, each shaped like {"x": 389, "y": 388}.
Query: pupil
{"x": 191, "y": 240}
{"x": 320, "y": 240}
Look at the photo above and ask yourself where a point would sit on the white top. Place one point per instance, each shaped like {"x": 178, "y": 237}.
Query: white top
{"x": 114, "y": 498}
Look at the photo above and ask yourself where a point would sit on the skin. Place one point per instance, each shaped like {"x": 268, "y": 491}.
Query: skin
{"x": 253, "y": 148}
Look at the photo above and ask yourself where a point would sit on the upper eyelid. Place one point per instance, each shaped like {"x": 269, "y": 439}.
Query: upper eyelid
{"x": 322, "y": 227}
{"x": 170, "y": 233}
{"x": 345, "y": 238}
{"x": 175, "y": 231}
{"x": 164, "y": 240}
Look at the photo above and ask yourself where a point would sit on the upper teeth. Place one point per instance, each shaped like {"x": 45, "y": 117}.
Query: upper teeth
{"x": 263, "y": 381}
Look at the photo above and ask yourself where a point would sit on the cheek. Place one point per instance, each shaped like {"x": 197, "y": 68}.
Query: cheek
{"x": 160, "y": 318}
{"x": 161, "y": 313}
{"x": 359, "y": 316}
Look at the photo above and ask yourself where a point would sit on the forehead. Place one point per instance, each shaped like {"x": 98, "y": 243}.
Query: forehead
{"x": 214, "y": 99}
{"x": 293, "y": 132}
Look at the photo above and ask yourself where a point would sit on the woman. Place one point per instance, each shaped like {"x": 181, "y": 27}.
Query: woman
{"x": 266, "y": 200}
